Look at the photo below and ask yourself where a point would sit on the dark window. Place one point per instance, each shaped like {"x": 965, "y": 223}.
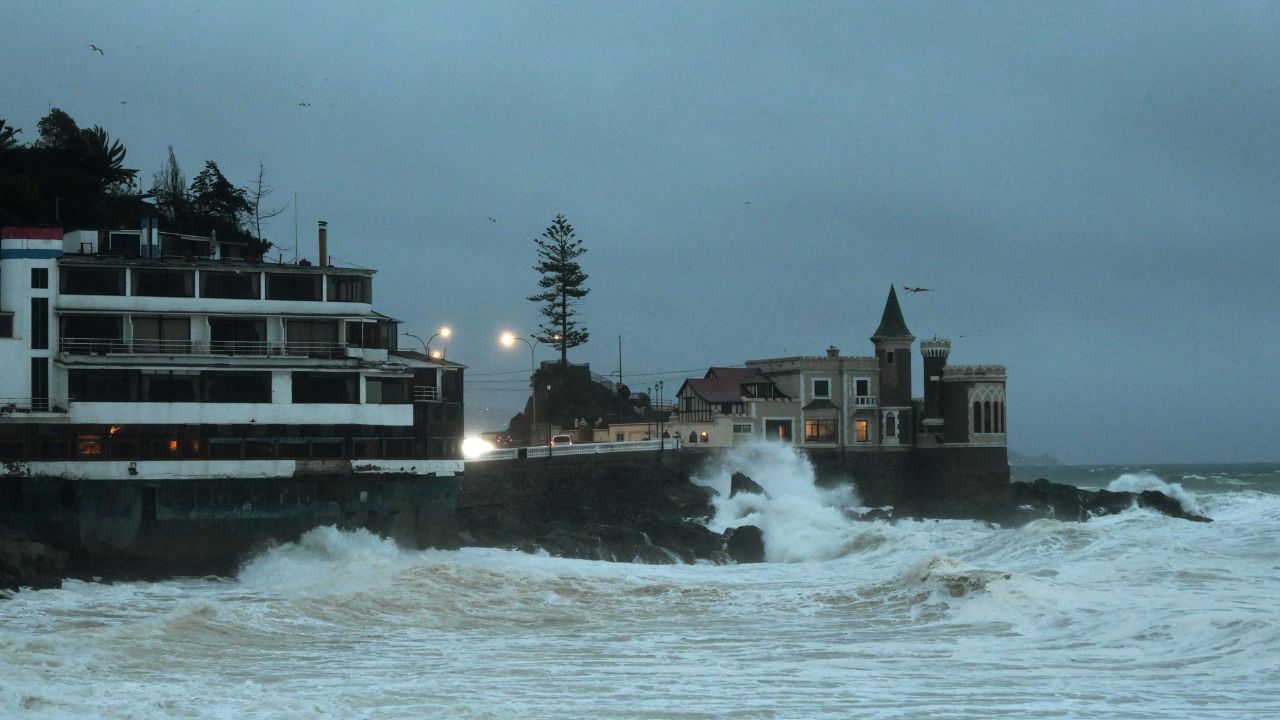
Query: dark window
{"x": 169, "y": 388}
{"x": 977, "y": 416}
{"x": 242, "y": 286}
{"x": 92, "y": 281}
{"x": 862, "y": 388}
{"x": 153, "y": 334}
{"x": 822, "y": 388}
{"x": 986, "y": 417}
{"x": 325, "y": 388}
{"x": 173, "y": 245}
{"x": 890, "y": 425}
{"x": 888, "y": 356}
{"x": 819, "y": 430}
{"x": 230, "y": 387}
{"x": 40, "y": 384}
{"x": 398, "y": 447}
{"x": 1002, "y": 417}
{"x": 365, "y": 334}
{"x": 164, "y": 283}
{"x": 12, "y": 450}
{"x": 39, "y": 278}
{"x": 726, "y": 408}
{"x": 86, "y": 334}
{"x": 40, "y": 323}
{"x": 238, "y": 336}
{"x": 777, "y": 430}
{"x": 350, "y": 288}
{"x": 386, "y": 392}
{"x": 291, "y": 286}
{"x": 123, "y": 244}
{"x": 6, "y": 325}
{"x": 316, "y": 338}
{"x": 102, "y": 385}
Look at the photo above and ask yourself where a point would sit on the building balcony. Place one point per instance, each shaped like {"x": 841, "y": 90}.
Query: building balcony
{"x": 425, "y": 393}
{"x": 247, "y": 348}
{"x": 864, "y": 401}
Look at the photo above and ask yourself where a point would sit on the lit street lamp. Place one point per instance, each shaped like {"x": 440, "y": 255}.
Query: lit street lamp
{"x": 426, "y": 344}
{"x": 508, "y": 340}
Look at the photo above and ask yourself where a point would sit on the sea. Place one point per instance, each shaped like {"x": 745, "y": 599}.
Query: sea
{"x": 1134, "y": 615}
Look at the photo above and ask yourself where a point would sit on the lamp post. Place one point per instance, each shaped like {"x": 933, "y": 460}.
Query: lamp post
{"x": 662, "y": 442}
{"x": 509, "y": 339}
{"x": 443, "y": 332}
{"x": 424, "y": 344}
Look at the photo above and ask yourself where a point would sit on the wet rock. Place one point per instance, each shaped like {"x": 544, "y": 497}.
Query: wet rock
{"x": 742, "y": 483}
{"x": 746, "y": 544}
{"x": 1042, "y": 498}
{"x": 25, "y": 563}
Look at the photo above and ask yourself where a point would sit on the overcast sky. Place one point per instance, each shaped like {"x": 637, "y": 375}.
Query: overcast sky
{"x": 1091, "y": 190}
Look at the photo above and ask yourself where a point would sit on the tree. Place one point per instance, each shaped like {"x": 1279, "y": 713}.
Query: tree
{"x": 255, "y": 194}
{"x": 562, "y": 288}
{"x": 169, "y": 188}
{"x": 104, "y": 159}
{"x": 8, "y": 135}
{"x": 213, "y": 194}
{"x": 59, "y": 132}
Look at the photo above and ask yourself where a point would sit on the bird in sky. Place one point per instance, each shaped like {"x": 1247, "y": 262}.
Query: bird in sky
{"x": 747, "y": 202}
{"x": 95, "y": 48}
{"x": 916, "y": 289}
{"x": 304, "y": 104}
{"x": 492, "y": 220}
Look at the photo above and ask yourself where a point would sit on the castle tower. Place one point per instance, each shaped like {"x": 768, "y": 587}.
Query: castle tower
{"x": 893, "y": 351}
{"x": 934, "y": 352}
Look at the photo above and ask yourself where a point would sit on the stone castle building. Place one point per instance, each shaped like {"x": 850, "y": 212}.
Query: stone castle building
{"x": 858, "y": 403}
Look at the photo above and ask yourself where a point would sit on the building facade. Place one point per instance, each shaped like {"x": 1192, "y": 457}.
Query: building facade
{"x": 848, "y": 402}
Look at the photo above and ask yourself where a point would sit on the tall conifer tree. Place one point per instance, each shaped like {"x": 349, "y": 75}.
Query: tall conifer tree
{"x": 562, "y": 287}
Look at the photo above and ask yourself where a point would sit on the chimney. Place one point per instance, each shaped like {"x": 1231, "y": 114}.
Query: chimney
{"x": 833, "y": 351}
{"x": 324, "y": 243}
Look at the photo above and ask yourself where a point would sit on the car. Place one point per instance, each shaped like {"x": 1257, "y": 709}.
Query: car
{"x": 561, "y": 440}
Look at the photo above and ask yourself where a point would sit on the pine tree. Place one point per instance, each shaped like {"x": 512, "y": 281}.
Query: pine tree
{"x": 561, "y": 284}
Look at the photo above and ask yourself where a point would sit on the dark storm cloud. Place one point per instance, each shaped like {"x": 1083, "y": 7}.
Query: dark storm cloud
{"x": 1090, "y": 188}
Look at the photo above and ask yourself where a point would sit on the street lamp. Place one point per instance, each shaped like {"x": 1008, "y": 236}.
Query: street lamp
{"x": 443, "y": 332}
{"x": 508, "y": 340}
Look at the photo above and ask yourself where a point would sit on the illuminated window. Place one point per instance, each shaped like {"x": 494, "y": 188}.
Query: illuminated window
{"x": 89, "y": 446}
{"x": 862, "y": 431}
{"x": 819, "y": 430}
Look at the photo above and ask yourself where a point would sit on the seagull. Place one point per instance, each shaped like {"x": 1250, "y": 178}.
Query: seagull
{"x": 95, "y": 48}
{"x": 492, "y": 220}
{"x": 124, "y": 102}
{"x": 747, "y": 202}
{"x": 304, "y": 104}
{"x": 916, "y": 289}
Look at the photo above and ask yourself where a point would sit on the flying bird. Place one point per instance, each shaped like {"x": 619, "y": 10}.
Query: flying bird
{"x": 95, "y": 48}
{"x": 916, "y": 289}
{"x": 747, "y": 202}
{"x": 492, "y": 220}
{"x": 304, "y": 104}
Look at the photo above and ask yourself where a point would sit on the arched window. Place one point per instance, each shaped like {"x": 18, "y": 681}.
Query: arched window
{"x": 986, "y": 416}
{"x": 995, "y": 416}
{"x": 890, "y": 425}
{"x": 977, "y": 416}
{"x": 693, "y": 436}
{"x": 1002, "y": 417}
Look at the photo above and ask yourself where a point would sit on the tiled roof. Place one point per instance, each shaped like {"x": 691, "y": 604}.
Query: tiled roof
{"x": 725, "y": 384}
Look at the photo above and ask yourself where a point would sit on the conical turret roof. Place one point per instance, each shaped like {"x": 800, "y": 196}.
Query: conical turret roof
{"x": 891, "y": 323}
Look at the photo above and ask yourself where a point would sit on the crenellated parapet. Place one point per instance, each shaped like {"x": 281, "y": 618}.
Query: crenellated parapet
{"x": 978, "y": 373}
{"x": 935, "y": 348}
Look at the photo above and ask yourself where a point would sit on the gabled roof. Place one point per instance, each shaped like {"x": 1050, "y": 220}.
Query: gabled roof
{"x": 892, "y": 325}
{"x": 722, "y": 384}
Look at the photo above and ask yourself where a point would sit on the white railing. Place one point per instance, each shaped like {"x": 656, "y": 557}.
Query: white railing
{"x": 541, "y": 451}
{"x": 425, "y": 393}
{"x": 117, "y": 346}
{"x": 24, "y": 405}
{"x": 864, "y": 401}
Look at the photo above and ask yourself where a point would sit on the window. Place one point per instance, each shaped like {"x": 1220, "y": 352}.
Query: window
{"x": 39, "y": 384}
{"x": 977, "y": 416}
{"x": 39, "y": 278}
{"x": 822, "y": 388}
{"x": 890, "y": 425}
{"x": 862, "y": 387}
{"x": 235, "y": 285}
{"x": 293, "y": 286}
{"x": 6, "y": 325}
{"x": 741, "y": 429}
{"x": 986, "y": 416}
{"x": 325, "y": 388}
{"x": 233, "y": 387}
{"x": 888, "y": 357}
{"x": 349, "y": 288}
{"x": 156, "y": 334}
{"x": 777, "y": 430}
{"x": 167, "y": 387}
{"x": 39, "y": 323}
{"x": 122, "y": 244}
{"x": 164, "y": 283}
{"x": 820, "y": 431}
{"x": 102, "y": 385}
{"x": 92, "y": 281}
{"x": 238, "y": 335}
{"x": 316, "y": 338}
{"x": 364, "y": 334}
{"x": 386, "y": 392}
{"x": 861, "y": 431}
{"x": 726, "y": 408}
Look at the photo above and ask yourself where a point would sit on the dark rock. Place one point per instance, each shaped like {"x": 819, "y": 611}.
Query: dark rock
{"x": 1042, "y": 498}
{"x": 746, "y": 544}
{"x": 872, "y": 515}
{"x": 741, "y": 483}
{"x": 25, "y": 563}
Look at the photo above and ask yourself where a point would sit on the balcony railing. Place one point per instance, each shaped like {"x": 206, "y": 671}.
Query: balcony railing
{"x": 258, "y": 348}
{"x": 425, "y": 393}
{"x": 864, "y": 401}
{"x": 24, "y": 405}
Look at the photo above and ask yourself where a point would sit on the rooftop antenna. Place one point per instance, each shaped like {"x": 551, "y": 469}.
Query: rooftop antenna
{"x": 295, "y": 227}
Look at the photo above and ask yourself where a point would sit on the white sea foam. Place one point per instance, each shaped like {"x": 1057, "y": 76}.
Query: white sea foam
{"x": 1139, "y": 482}
{"x": 1135, "y": 614}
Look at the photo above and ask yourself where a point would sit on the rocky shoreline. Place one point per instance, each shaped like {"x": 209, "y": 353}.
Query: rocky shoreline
{"x": 664, "y": 526}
